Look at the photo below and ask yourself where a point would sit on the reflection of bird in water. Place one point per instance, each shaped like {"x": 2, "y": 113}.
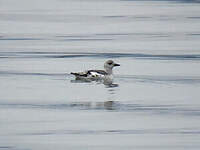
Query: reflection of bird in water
{"x": 106, "y": 76}
{"x": 108, "y": 105}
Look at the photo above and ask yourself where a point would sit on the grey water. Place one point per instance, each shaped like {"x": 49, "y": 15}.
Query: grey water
{"x": 155, "y": 100}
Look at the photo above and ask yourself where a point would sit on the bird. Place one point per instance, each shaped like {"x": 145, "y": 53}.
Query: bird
{"x": 90, "y": 75}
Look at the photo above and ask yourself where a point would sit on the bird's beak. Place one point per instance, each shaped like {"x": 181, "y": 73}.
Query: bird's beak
{"x": 116, "y": 65}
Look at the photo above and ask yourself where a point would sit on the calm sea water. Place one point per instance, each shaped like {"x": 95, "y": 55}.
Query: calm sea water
{"x": 155, "y": 103}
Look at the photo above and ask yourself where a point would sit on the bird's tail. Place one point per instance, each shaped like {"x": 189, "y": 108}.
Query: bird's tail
{"x": 76, "y": 74}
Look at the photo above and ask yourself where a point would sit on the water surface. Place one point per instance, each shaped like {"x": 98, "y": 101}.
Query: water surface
{"x": 155, "y": 103}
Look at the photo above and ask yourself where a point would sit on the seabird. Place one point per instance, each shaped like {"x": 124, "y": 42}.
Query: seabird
{"x": 97, "y": 74}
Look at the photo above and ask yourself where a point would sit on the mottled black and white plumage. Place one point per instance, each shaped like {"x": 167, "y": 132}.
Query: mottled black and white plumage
{"x": 97, "y": 74}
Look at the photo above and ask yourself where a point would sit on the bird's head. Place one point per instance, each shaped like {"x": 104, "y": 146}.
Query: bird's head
{"x": 109, "y": 64}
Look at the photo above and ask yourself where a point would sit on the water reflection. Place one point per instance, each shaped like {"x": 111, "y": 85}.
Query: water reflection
{"x": 107, "y": 105}
{"x": 107, "y": 82}
{"x": 114, "y": 105}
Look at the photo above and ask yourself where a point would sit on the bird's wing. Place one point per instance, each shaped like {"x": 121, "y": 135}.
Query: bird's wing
{"x": 90, "y": 74}
{"x": 100, "y": 72}
{"x": 81, "y": 74}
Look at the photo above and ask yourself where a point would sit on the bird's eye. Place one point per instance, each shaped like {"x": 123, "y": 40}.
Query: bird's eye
{"x": 110, "y": 63}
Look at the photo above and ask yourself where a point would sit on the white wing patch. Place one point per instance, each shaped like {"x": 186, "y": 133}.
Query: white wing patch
{"x": 96, "y": 75}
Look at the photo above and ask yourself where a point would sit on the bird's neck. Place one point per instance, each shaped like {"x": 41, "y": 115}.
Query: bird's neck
{"x": 108, "y": 70}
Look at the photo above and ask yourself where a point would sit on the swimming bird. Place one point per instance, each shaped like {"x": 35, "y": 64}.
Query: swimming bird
{"x": 90, "y": 75}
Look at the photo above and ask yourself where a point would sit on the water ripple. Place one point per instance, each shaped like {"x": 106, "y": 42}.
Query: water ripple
{"x": 31, "y": 73}
{"x": 180, "y": 1}
{"x": 159, "y": 109}
{"x": 119, "y": 78}
{"x": 160, "y": 79}
{"x": 97, "y": 55}
{"x": 136, "y": 131}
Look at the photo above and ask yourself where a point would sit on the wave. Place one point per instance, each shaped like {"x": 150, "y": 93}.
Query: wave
{"x": 12, "y": 55}
{"x": 113, "y": 131}
{"x": 160, "y": 109}
{"x": 118, "y": 78}
{"x": 180, "y": 1}
{"x": 31, "y": 73}
{"x": 160, "y": 79}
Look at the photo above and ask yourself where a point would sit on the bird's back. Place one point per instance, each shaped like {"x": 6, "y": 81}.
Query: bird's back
{"x": 91, "y": 74}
